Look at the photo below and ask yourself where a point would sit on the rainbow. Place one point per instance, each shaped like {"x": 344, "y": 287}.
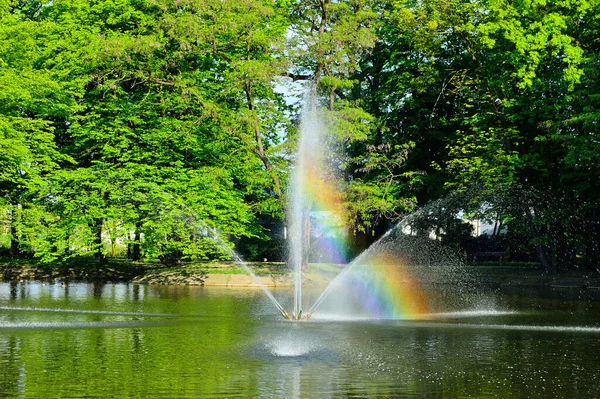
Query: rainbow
{"x": 322, "y": 196}
{"x": 380, "y": 285}
{"x": 384, "y": 289}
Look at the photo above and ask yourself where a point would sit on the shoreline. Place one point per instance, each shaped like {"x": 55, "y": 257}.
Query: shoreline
{"x": 275, "y": 275}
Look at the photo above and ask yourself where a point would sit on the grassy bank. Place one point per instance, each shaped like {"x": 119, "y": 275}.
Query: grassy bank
{"x": 114, "y": 270}
{"x": 269, "y": 273}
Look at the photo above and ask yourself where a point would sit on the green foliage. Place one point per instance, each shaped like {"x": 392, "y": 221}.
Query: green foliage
{"x": 498, "y": 96}
{"x": 111, "y": 111}
{"x": 379, "y": 189}
{"x": 134, "y": 121}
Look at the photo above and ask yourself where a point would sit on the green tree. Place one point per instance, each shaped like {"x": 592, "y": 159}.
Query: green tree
{"x": 153, "y": 111}
{"x": 151, "y": 117}
{"x": 495, "y": 95}
{"x": 34, "y": 106}
{"x": 531, "y": 64}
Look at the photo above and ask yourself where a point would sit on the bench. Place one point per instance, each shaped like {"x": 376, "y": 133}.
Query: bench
{"x": 482, "y": 256}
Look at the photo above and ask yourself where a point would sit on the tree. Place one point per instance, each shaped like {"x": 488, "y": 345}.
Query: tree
{"x": 327, "y": 40}
{"x": 144, "y": 118}
{"x": 151, "y": 116}
{"x": 491, "y": 95}
{"x": 530, "y": 69}
{"x": 409, "y": 84}
{"x": 34, "y": 105}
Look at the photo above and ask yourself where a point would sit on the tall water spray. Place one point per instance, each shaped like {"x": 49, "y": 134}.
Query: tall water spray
{"x": 315, "y": 189}
{"x": 380, "y": 270}
{"x": 307, "y": 177}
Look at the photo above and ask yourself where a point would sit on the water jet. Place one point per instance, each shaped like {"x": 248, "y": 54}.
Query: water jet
{"x": 315, "y": 191}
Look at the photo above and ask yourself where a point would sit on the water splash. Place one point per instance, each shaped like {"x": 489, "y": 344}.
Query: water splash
{"x": 379, "y": 276}
{"x": 336, "y": 281}
{"x": 204, "y": 230}
{"x": 283, "y": 347}
{"x": 239, "y": 261}
{"x": 316, "y": 203}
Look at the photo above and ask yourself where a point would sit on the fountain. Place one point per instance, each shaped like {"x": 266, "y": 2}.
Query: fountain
{"x": 388, "y": 280}
{"x": 315, "y": 190}
{"x": 383, "y": 282}
{"x": 312, "y": 189}
{"x": 165, "y": 341}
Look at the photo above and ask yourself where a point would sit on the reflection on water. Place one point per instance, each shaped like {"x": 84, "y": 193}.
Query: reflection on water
{"x": 124, "y": 340}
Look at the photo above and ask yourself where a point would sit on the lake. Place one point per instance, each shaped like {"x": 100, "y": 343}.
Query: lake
{"x": 124, "y": 340}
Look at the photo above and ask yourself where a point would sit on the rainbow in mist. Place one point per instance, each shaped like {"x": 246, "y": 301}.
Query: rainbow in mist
{"x": 379, "y": 285}
{"x": 376, "y": 285}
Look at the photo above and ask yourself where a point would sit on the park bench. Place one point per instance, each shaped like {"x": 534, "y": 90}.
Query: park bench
{"x": 483, "y": 256}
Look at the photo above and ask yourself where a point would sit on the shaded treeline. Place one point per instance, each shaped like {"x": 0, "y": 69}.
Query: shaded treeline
{"x": 145, "y": 123}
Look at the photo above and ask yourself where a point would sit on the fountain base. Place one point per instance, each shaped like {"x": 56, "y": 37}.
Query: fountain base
{"x": 295, "y": 316}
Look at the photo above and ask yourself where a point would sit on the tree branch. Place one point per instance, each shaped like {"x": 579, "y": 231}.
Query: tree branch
{"x": 296, "y": 77}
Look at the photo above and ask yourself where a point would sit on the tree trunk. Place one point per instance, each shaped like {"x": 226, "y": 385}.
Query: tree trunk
{"x": 15, "y": 248}
{"x": 259, "y": 150}
{"x": 565, "y": 252}
{"x": 136, "y": 253}
{"x": 544, "y": 250}
{"x": 500, "y": 223}
{"x": 544, "y": 254}
{"x": 97, "y": 229}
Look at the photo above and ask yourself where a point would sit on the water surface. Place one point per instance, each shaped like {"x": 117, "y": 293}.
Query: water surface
{"x": 125, "y": 340}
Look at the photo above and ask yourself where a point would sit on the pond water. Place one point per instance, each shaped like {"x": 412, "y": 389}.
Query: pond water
{"x": 125, "y": 340}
